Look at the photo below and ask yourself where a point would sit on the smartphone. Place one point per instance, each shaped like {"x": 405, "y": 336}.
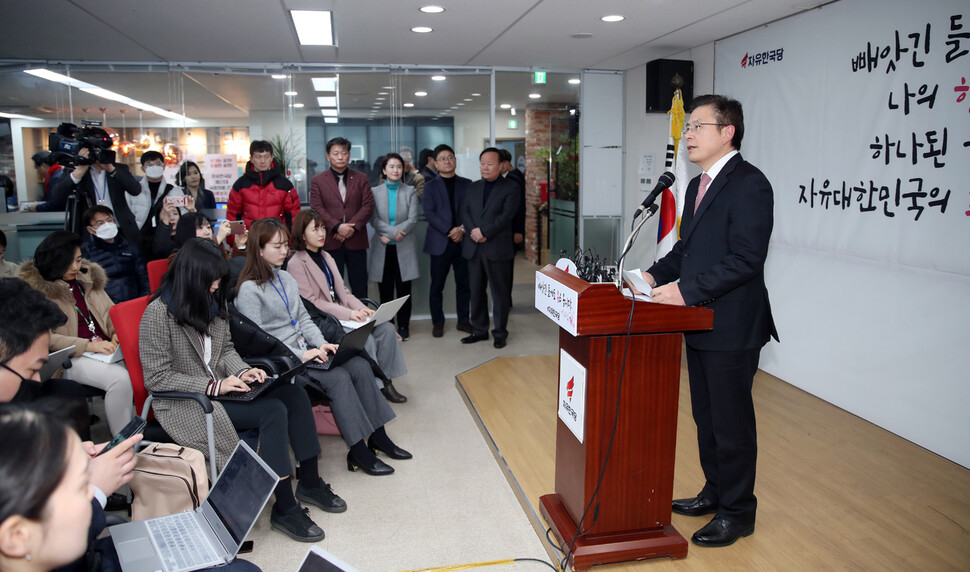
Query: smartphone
{"x": 179, "y": 201}
{"x": 135, "y": 426}
{"x": 246, "y": 547}
{"x": 237, "y": 227}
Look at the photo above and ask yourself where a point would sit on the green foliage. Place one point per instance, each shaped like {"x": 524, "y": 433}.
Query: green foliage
{"x": 565, "y": 166}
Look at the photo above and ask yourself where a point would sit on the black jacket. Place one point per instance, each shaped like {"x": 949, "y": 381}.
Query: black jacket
{"x": 127, "y": 276}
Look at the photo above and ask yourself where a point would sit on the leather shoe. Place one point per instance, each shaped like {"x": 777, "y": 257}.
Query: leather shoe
{"x": 721, "y": 532}
{"x": 375, "y": 467}
{"x": 499, "y": 343}
{"x": 474, "y": 338}
{"x": 394, "y": 452}
{"x": 694, "y": 506}
{"x": 391, "y": 394}
{"x": 438, "y": 330}
{"x": 465, "y": 327}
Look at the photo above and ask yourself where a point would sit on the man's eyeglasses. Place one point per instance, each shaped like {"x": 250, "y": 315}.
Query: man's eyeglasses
{"x": 446, "y": 158}
{"x": 695, "y": 127}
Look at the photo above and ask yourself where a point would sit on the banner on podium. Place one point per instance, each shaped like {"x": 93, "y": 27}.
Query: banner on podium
{"x": 557, "y": 301}
{"x": 572, "y": 394}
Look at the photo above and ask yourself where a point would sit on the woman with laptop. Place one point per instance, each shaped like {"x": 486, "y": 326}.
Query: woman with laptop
{"x": 185, "y": 345}
{"x": 271, "y": 298}
{"x": 77, "y": 287}
{"x": 320, "y": 283}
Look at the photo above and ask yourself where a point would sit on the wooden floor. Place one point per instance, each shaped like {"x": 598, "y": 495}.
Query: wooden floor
{"x": 834, "y": 491}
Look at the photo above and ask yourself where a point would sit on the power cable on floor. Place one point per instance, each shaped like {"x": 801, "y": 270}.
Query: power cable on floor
{"x": 472, "y": 565}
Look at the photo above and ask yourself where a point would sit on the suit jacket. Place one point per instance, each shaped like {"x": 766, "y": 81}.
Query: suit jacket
{"x": 516, "y": 176}
{"x": 494, "y": 218}
{"x": 120, "y": 184}
{"x": 314, "y": 286}
{"x": 720, "y": 258}
{"x": 437, "y": 210}
{"x": 171, "y": 357}
{"x": 405, "y": 219}
{"x": 357, "y": 209}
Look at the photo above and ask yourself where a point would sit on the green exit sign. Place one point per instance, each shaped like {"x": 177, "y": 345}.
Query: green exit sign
{"x": 539, "y": 77}
{"x": 513, "y": 124}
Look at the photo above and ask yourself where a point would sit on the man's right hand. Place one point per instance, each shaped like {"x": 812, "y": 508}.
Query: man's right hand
{"x": 456, "y": 234}
{"x": 346, "y": 230}
{"x": 114, "y": 468}
{"x": 80, "y": 170}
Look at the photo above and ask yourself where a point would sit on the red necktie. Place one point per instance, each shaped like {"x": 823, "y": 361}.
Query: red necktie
{"x": 705, "y": 181}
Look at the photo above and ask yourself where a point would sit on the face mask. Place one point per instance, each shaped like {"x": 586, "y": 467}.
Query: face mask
{"x": 154, "y": 171}
{"x": 107, "y": 231}
{"x": 243, "y": 247}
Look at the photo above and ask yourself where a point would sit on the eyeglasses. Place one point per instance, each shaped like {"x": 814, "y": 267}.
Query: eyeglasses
{"x": 695, "y": 127}
{"x": 446, "y": 158}
{"x": 97, "y": 224}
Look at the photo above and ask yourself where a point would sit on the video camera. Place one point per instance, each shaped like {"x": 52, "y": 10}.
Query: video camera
{"x": 69, "y": 139}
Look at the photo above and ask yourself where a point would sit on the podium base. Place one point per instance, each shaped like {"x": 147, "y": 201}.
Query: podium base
{"x": 609, "y": 548}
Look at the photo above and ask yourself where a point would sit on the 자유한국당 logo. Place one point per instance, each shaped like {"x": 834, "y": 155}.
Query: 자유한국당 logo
{"x": 762, "y": 58}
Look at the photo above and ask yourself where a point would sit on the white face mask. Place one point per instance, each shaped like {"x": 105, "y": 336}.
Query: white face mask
{"x": 154, "y": 171}
{"x": 107, "y": 231}
{"x": 243, "y": 247}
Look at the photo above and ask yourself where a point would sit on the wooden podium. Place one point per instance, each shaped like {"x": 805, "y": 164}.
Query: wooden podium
{"x": 630, "y": 516}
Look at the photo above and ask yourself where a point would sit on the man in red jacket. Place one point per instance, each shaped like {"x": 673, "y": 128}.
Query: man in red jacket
{"x": 263, "y": 191}
{"x": 343, "y": 198}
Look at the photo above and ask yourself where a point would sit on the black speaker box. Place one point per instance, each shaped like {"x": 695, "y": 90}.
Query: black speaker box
{"x": 663, "y": 78}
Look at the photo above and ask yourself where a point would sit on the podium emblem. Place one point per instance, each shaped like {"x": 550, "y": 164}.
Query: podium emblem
{"x": 572, "y": 394}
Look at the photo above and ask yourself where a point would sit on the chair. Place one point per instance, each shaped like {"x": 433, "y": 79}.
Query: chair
{"x": 126, "y": 318}
{"x": 156, "y": 270}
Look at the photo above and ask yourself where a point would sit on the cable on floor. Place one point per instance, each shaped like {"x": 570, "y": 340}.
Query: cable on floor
{"x": 472, "y": 565}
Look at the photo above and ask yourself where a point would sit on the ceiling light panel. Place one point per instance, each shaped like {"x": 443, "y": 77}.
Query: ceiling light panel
{"x": 327, "y": 101}
{"x": 313, "y": 27}
{"x": 324, "y": 83}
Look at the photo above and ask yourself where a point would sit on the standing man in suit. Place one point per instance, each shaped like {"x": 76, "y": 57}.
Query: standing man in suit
{"x": 442, "y": 198}
{"x": 720, "y": 260}
{"x": 343, "y": 198}
{"x": 487, "y": 214}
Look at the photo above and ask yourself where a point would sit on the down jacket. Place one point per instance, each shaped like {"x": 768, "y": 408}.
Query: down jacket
{"x": 121, "y": 262}
{"x": 263, "y": 194}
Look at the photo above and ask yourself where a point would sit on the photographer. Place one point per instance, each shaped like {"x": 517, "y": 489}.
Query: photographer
{"x": 98, "y": 180}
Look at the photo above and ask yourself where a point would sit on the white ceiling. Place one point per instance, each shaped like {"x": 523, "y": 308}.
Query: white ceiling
{"x": 251, "y": 35}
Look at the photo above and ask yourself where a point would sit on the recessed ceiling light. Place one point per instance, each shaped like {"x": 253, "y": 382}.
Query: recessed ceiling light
{"x": 387, "y": 87}
{"x": 476, "y": 94}
{"x": 432, "y": 9}
{"x": 581, "y": 36}
{"x": 575, "y": 81}
{"x": 453, "y": 107}
{"x": 421, "y": 30}
{"x": 329, "y": 119}
{"x": 324, "y": 83}
{"x": 380, "y": 99}
{"x": 329, "y": 112}
{"x": 382, "y": 93}
{"x": 408, "y": 105}
{"x": 468, "y": 99}
{"x": 18, "y": 116}
{"x": 438, "y": 78}
{"x": 279, "y": 76}
{"x": 289, "y": 93}
{"x": 327, "y": 101}
{"x": 420, "y": 93}
{"x": 313, "y": 27}
{"x": 535, "y": 95}
{"x": 505, "y": 106}
{"x": 613, "y": 18}
{"x": 297, "y": 105}
{"x": 460, "y": 104}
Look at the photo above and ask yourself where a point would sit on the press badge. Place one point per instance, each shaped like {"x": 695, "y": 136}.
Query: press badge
{"x": 302, "y": 343}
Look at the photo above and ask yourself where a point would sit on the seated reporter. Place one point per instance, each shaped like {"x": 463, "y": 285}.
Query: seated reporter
{"x": 315, "y": 271}
{"x": 271, "y": 298}
{"x": 121, "y": 261}
{"x": 185, "y": 345}
{"x": 77, "y": 286}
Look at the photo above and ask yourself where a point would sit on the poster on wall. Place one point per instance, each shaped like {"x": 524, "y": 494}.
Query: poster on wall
{"x": 220, "y": 172}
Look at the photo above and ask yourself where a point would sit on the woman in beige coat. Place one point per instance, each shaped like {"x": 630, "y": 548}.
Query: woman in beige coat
{"x": 77, "y": 287}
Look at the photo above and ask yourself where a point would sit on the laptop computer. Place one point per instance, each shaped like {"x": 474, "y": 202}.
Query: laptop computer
{"x": 210, "y": 535}
{"x": 384, "y": 313}
{"x": 54, "y": 362}
{"x": 319, "y": 560}
{"x": 257, "y": 389}
{"x": 350, "y": 346}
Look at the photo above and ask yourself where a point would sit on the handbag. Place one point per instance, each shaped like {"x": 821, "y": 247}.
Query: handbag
{"x": 167, "y": 479}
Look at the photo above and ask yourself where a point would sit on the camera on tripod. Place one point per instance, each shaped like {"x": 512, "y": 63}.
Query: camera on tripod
{"x": 69, "y": 139}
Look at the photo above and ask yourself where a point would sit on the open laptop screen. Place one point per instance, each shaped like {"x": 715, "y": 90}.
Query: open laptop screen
{"x": 239, "y": 493}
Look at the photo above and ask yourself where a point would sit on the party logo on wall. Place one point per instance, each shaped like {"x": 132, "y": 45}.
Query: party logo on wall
{"x": 762, "y": 58}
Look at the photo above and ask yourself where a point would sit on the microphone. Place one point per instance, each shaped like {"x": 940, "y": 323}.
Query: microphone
{"x": 663, "y": 183}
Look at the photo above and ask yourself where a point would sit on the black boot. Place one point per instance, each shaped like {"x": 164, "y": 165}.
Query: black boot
{"x": 391, "y": 394}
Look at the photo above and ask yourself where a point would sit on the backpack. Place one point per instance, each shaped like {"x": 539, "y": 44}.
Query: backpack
{"x": 168, "y": 478}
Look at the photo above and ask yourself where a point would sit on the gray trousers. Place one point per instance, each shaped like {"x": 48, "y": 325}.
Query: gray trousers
{"x": 382, "y": 346}
{"x": 357, "y": 404}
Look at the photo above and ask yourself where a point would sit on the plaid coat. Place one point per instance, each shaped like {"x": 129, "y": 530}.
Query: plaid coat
{"x": 171, "y": 357}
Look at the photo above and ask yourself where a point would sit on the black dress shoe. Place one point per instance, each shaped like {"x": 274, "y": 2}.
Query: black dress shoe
{"x": 465, "y": 327}
{"x": 391, "y": 394}
{"x": 694, "y": 506}
{"x": 474, "y": 338}
{"x": 394, "y": 452}
{"x": 499, "y": 343}
{"x": 721, "y": 532}
{"x": 438, "y": 330}
{"x": 375, "y": 467}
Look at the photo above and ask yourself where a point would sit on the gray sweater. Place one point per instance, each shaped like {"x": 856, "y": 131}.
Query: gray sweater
{"x": 265, "y": 306}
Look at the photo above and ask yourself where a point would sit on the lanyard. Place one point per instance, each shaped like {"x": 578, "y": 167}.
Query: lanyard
{"x": 326, "y": 270}
{"x": 103, "y": 179}
{"x": 88, "y": 319}
{"x": 285, "y": 299}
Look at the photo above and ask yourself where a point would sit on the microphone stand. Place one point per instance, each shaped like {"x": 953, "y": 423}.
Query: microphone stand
{"x": 629, "y": 243}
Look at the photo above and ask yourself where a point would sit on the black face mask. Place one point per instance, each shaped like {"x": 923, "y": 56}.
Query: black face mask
{"x": 29, "y": 389}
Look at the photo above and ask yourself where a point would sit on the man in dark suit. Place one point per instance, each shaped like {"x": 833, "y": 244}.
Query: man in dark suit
{"x": 442, "y": 198}
{"x": 719, "y": 260}
{"x": 487, "y": 214}
{"x": 343, "y": 198}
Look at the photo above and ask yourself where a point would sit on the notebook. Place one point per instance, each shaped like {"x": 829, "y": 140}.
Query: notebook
{"x": 257, "y": 389}
{"x": 210, "y": 535}
{"x": 319, "y": 560}
{"x": 54, "y": 362}
{"x": 350, "y": 346}
{"x": 384, "y": 313}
